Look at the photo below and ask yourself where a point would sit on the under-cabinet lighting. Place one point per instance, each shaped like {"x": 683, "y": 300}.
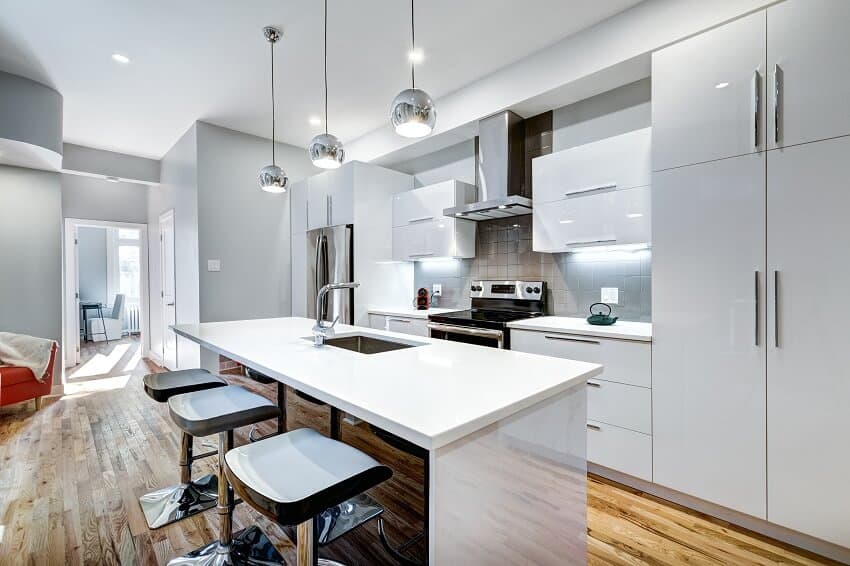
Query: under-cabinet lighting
{"x": 112, "y": 179}
{"x": 627, "y": 249}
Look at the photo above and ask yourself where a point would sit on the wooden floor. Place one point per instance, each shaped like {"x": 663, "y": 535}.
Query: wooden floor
{"x": 71, "y": 474}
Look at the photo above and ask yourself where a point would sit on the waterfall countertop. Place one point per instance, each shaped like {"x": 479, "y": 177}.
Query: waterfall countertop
{"x": 431, "y": 394}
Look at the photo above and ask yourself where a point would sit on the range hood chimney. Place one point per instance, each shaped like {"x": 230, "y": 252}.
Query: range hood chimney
{"x": 500, "y": 163}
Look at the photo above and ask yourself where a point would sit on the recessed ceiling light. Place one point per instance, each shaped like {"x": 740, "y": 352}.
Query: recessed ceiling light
{"x": 634, "y": 215}
{"x": 567, "y": 221}
{"x": 416, "y": 55}
{"x": 721, "y": 85}
{"x": 123, "y": 59}
{"x": 112, "y": 179}
{"x": 315, "y": 121}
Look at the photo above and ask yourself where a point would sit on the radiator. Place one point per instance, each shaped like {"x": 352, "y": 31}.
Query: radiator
{"x": 132, "y": 314}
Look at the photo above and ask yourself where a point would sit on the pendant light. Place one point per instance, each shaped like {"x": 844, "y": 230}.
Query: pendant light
{"x": 326, "y": 150}
{"x": 413, "y": 114}
{"x": 272, "y": 178}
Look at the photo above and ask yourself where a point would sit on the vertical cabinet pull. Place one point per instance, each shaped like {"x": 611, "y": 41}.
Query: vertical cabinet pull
{"x": 776, "y": 309}
{"x": 757, "y": 309}
{"x": 756, "y": 107}
{"x": 330, "y": 210}
{"x": 777, "y": 103}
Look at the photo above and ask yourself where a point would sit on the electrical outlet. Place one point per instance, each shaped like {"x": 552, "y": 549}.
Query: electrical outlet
{"x": 213, "y": 265}
{"x": 437, "y": 290}
{"x": 610, "y": 295}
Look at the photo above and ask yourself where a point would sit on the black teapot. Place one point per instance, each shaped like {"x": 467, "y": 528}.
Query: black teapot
{"x": 599, "y": 319}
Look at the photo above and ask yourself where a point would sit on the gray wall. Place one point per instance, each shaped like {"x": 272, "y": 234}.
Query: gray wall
{"x": 31, "y": 253}
{"x": 247, "y": 229}
{"x": 91, "y": 198}
{"x": 31, "y": 112}
{"x": 503, "y": 251}
{"x": 91, "y": 250}
{"x": 178, "y": 191}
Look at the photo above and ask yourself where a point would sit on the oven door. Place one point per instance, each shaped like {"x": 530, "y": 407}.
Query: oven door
{"x": 467, "y": 334}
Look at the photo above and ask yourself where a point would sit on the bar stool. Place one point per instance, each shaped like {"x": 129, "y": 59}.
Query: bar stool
{"x": 320, "y": 473}
{"x": 170, "y": 504}
{"x": 220, "y": 411}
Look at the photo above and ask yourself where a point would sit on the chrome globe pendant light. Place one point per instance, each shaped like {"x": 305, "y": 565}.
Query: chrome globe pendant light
{"x": 326, "y": 150}
{"x": 413, "y": 113}
{"x": 272, "y": 178}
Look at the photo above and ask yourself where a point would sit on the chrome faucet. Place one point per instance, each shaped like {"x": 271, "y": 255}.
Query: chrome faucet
{"x": 321, "y": 330}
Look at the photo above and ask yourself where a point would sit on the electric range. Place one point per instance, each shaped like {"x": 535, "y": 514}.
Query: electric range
{"x": 494, "y": 305}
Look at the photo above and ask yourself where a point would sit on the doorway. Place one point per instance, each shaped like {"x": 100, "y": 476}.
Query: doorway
{"x": 105, "y": 289}
{"x": 168, "y": 300}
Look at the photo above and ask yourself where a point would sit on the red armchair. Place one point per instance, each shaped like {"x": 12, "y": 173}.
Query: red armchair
{"x": 19, "y": 384}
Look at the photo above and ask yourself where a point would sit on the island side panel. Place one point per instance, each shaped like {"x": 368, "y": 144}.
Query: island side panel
{"x": 514, "y": 492}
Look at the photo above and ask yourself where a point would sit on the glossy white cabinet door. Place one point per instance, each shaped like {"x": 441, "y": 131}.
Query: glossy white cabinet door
{"x": 298, "y": 206}
{"x": 809, "y": 41}
{"x": 299, "y": 274}
{"x": 708, "y": 371}
{"x": 621, "y": 162}
{"x": 633, "y": 216}
{"x": 427, "y": 203}
{"x": 318, "y": 214}
{"x": 340, "y": 188}
{"x": 695, "y": 118}
{"x": 808, "y": 377}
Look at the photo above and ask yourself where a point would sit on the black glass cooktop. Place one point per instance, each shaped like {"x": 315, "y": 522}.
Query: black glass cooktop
{"x": 482, "y": 318}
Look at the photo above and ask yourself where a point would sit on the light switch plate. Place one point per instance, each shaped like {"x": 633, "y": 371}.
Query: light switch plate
{"x": 610, "y": 295}
{"x": 437, "y": 290}
{"x": 213, "y": 265}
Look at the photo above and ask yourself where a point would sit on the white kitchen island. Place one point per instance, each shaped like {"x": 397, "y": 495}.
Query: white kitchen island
{"x": 505, "y": 430}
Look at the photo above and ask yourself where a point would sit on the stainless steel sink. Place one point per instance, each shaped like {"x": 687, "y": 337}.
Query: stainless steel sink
{"x": 365, "y": 344}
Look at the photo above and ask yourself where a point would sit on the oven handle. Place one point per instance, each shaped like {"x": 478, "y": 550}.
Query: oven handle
{"x": 482, "y": 333}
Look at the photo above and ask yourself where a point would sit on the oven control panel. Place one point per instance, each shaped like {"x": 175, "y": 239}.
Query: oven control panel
{"x": 523, "y": 290}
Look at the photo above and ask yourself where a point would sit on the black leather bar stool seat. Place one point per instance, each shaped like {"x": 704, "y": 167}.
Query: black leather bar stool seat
{"x": 294, "y": 477}
{"x": 189, "y": 497}
{"x": 220, "y": 411}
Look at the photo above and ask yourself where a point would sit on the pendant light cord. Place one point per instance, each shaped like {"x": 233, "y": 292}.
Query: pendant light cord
{"x": 412, "y": 48}
{"x": 326, "y": 66}
{"x": 271, "y": 44}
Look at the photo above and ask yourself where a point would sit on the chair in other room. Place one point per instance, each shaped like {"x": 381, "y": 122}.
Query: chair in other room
{"x": 114, "y": 322}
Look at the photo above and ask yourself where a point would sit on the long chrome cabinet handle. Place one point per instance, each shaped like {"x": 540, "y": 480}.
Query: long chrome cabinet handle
{"x": 420, "y": 219}
{"x": 594, "y": 189}
{"x": 593, "y": 427}
{"x": 330, "y": 210}
{"x": 756, "y": 108}
{"x": 424, "y": 254}
{"x": 590, "y": 242}
{"x": 777, "y": 102}
{"x": 569, "y": 339}
{"x": 758, "y": 309}
{"x": 404, "y": 320}
{"x": 776, "y": 309}
{"x": 593, "y": 383}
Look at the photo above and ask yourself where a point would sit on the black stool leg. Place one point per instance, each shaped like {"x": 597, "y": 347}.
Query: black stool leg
{"x": 249, "y": 547}
{"x": 170, "y": 504}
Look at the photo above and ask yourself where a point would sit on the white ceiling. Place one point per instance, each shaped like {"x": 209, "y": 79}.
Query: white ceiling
{"x": 207, "y": 60}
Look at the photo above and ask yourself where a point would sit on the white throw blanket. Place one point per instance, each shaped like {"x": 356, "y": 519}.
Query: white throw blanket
{"x": 26, "y": 351}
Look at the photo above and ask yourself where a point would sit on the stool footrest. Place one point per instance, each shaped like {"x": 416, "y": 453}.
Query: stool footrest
{"x": 347, "y": 516}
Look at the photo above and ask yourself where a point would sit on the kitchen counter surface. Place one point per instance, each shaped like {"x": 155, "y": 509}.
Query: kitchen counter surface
{"x": 430, "y": 395}
{"x": 409, "y": 311}
{"x": 623, "y": 330}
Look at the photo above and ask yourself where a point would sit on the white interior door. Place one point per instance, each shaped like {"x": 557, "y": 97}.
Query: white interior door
{"x": 808, "y": 380}
{"x": 708, "y": 358}
{"x": 72, "y": 297}
{"x": 168, "y": 295}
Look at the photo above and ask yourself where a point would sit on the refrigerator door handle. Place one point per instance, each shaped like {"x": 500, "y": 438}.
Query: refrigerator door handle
{"x": 325, "y": 275}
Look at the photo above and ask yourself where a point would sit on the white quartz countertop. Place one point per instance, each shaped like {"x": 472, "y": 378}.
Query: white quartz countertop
{"x": 409, "y": 311}
{"x": 623, "y": 330}
{"x": 430, "y": 395}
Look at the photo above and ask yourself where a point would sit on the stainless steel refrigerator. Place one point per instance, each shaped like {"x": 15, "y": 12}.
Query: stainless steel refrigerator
{"x": 330, "y": 259}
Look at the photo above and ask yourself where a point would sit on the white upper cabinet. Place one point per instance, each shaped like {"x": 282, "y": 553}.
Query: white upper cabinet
{"x": 619, "y": 162}
{"x": 808, "y": 42}
{"x": 708, "y": 95}
{"x": 318, "y": 213}
{"x": 330, "y": 198}
{"x": 586, "y": 219}
{"x": 708, "y": 357}
{"x": 420, "y": 230}
{"x": 808, "y": 381}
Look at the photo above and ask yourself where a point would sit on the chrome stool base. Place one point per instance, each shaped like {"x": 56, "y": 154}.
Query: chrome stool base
{"x": 170, "y": 504}
{"x": 250, "y": 547}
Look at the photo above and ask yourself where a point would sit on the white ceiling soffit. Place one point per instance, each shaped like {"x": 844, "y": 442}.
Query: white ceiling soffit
{"x": 207, "y": 60}
{"x": 612, "y": 53}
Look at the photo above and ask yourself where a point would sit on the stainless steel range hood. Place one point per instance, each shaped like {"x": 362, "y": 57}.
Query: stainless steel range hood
{"x": 500, "y": 163}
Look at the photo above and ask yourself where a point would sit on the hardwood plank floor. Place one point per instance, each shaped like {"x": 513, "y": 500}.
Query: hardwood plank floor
{"x": 71, "y": 475}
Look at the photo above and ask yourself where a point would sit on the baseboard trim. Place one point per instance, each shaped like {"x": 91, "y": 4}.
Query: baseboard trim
{"x": 149, "y": 354}
{"x": 760, "y": 526}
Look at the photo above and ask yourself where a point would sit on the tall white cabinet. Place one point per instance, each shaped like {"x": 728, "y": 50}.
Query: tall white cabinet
{"x": 750, "y": 387}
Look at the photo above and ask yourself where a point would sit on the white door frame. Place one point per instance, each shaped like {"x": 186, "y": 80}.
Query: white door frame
{"x": 166, "y": 217}
{"x": 71, "y": 283}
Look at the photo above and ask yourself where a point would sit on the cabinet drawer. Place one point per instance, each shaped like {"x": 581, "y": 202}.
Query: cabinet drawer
{"x": 427, "y": 203}
{"x": 626, "y": 406}
{"x": 624, "y": 361}
{"x": 619, "y": 162}
{"x": 620, "y": 449}
{"x": 402, "y": 324}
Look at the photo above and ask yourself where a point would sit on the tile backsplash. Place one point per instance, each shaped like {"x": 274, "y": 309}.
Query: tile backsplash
{"x": 574, "y": 280}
